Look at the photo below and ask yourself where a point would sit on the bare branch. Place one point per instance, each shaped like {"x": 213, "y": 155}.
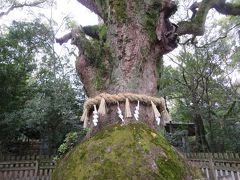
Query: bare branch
{"x": 21, "y": 5}
{"x": 185, "y": 80}
{"x": 219, "y": 38}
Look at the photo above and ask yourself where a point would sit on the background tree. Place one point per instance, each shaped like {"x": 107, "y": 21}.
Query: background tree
{"x": 201, "y": 87}
{"x": 38, "y": 97}
{"x": 17, "y": 63}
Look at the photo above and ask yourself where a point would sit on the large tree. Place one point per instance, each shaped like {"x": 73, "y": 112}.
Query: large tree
{"x": 124, "y": 53}
{"x": 138, "y": 34}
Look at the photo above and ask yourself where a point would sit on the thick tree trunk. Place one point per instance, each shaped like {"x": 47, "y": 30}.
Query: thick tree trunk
{"x": 202, "y": 144}
{"x": 128, "y": 60}
{"x": 138, "y": 34}
{"x": 200, "y": 132}
{"x": 135, "y": 60}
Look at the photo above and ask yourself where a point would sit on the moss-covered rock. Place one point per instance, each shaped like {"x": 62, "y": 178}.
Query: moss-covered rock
{"x": 124, "y": 152}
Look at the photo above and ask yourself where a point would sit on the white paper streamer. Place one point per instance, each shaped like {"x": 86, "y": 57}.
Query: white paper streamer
{"x": 119, "y": 112}
{"x": 136, "y": 112}
{"x": 95, "y": 116}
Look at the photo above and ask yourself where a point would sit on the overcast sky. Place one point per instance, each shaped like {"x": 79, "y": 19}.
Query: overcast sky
{"x": 63, "y": 8}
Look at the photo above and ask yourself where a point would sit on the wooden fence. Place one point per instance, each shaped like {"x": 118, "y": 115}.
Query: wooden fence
{"x": 217, "y": 166}
{"x": 26, "y": 167}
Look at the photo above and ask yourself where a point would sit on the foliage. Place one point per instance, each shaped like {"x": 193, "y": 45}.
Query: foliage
{"x": 201, "y": 83}
{"x": 38, "y": 98}
{"x": 17, "y": 62}
{"x": 71, "y": 140}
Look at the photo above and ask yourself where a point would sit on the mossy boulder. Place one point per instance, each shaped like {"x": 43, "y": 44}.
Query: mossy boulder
{"x": 131, "y": 151}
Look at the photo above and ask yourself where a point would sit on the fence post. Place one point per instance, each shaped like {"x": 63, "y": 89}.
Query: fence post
{"x": 211, "y": 168}
{"x": 36, "y": 168}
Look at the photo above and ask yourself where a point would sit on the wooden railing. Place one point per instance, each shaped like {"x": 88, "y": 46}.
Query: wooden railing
{"x": 217, "y": 166}
{"x": 26, "y": 167}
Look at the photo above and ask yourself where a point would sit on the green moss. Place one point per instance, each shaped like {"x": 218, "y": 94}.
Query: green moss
{"x": 104, "y": 7}
{"x": 102, "y": 3}
{"x": 98, "y": 81}
{"x": 151, "y": 18}
{"x": 119, "y": 8}
{"x": 97, "y": 52}
{"x": 102, "y": 30}
{"x": 170, "y": 168}
{"x": 123, "y": 152}
{"x": 150, "y": 25}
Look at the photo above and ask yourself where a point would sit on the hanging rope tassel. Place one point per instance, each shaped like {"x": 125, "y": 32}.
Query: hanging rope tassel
{"x": 156, "y": 113}
{"x": 102, "y": 107}
{"x": 84, "y": 118}
{"x": 165, "y": 117}
{"x": 128, "y": 113}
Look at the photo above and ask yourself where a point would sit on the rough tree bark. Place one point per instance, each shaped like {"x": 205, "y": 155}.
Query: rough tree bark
{"x": 138, "y": 33}
{"x": 124, "y": 54}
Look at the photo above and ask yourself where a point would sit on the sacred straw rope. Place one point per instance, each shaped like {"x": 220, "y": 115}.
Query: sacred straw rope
{"x": 114, "y": 98}
{"x": 121, "y": 97}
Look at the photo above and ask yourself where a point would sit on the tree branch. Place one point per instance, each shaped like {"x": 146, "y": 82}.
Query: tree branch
{"x": 227, "y": 9}
{"x": 86, "y": 68}
{"x": 217, "y": 39}
{"x": 193, "y": 8}
{"x": 165, "y": 29}
{"x": 64, "y": 39}
{"x": 21, "y": 5}
{"x": 91, "y": 5}
{"x": 196, "y": 25}
{"x": 92, "y": 31}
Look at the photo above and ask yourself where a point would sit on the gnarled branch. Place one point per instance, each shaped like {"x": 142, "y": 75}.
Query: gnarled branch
{"x": 196, "y": 26}
{"x": 92, "y": 31}
{"x": 165, "y": 29}
{"x": 86, "y": 63}
{"x": 197, "y": 23}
